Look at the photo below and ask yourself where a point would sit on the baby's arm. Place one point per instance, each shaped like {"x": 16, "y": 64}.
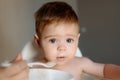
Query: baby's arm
{"x": 112, "y": 71}
{"x": 90, "y": 67}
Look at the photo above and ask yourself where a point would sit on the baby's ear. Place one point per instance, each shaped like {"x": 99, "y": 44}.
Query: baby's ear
{"x": 78, "y": 35}
{"x": 36, "y": 39}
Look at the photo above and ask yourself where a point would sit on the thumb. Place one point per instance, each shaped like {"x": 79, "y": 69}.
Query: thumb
{"x": 19, "y": 57}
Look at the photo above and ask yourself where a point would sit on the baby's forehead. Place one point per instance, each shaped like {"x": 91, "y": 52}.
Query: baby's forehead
{"x": 61, "y": 28}
{"x": 62, "y": 24}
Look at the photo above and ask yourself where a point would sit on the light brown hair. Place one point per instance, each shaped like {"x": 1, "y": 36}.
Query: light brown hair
{"x": 54, "y": 12}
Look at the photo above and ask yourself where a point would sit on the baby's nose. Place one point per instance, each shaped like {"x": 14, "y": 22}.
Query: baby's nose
{"x": 61, "y": 48}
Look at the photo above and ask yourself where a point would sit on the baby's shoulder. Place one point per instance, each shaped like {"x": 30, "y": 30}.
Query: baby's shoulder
{"x": 82, "y": 60}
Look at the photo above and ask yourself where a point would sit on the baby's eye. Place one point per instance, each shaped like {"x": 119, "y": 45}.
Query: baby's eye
{"x": 69, "y": 40}
{"x": 52, "y": 40}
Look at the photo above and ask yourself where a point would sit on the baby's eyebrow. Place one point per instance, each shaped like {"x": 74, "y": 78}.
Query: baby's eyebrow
{"x": 49, "y": 36}
{"x": 68, "y": 35}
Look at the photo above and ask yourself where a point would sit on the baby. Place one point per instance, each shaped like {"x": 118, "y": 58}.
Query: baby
{"x": 57, "y": 35}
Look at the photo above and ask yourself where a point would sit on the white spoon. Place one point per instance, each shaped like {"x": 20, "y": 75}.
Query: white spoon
{"x": 47, "y": 65}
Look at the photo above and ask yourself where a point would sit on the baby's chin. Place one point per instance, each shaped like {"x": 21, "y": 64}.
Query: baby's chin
{"x": 62, "y": 63}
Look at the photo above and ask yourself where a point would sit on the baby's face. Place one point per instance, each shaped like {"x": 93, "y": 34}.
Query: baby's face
{"x": 59, "y": 42}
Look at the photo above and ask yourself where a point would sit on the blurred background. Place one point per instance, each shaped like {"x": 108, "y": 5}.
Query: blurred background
{"x": 99, "y": 22}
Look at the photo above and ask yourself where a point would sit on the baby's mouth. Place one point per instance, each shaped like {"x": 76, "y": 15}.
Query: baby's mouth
{"x": 61, "y": 58}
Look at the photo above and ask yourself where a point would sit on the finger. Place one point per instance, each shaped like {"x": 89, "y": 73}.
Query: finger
{"x": 18, "y": 58}
{"x": 16, "y": 68}
{"x": 2, "y": 74}
{"x": 23, "y": 75}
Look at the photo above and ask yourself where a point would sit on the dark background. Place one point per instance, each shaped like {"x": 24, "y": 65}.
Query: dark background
{"x": 100, "y": 30}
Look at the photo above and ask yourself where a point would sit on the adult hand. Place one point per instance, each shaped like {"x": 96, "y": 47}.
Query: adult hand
{"x": 17, "y": 71}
